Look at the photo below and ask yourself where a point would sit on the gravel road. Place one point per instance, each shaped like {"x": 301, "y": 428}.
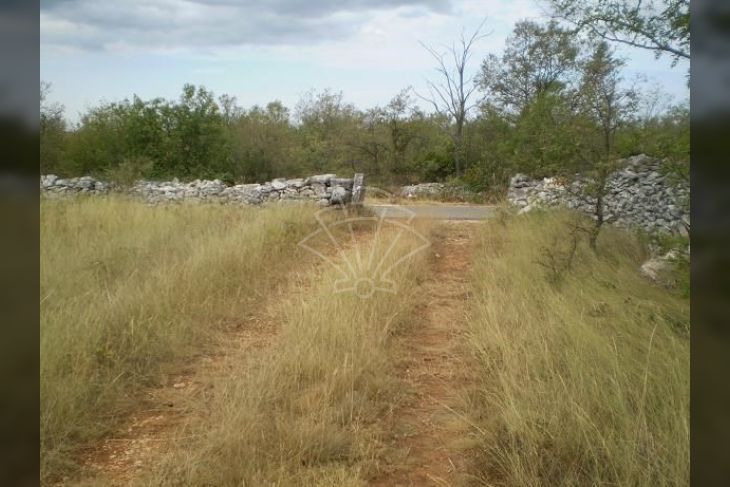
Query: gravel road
{"x": 436, "y": 212}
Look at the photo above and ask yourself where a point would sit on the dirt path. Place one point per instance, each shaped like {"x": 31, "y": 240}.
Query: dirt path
{"x": 147, "y": 433}
{"x": 116, "y": 460}
{"x": 428, "y": 437}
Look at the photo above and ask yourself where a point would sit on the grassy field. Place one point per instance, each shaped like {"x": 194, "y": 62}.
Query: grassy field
{"x": 305, "y": 411}
{"x": 584, "y": 368}
{"x": 127, "y": 289}
{"x": 580, "y": 366}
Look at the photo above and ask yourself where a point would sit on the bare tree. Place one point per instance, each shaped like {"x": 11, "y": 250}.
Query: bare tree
{"x": 49, "y": 111}
{"x": 451, "y": 95}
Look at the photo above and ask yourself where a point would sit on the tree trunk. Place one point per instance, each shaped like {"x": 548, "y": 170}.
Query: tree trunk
{"x": 598, "y": 211}
{"x": 458, "y": 141}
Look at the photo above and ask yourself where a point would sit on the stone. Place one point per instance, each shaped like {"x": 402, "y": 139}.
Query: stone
{"x": 319, "y": 189}
{"x": 48, "y": 180}
{"x": 320, "y": 178}
{"x": 290, "y": 194}
{"x": 638, "y": 195}
{"x": 295, "y": 183}
{"x": 436, "y": 191}
{"x": 344, "y": 182}
{"x": 358, "y": 189}
{"x": 628, "y": 174}
{"x": 85, "y": 182}
{"x": 519, "y": 178}
{"x": 252, "y": 197}
{"x": 340, "y": 196}
{"x": 659, "y": 269}
{"x": 280, "y": 190}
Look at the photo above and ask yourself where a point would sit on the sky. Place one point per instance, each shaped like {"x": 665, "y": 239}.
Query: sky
{"x": 259, "y": 51}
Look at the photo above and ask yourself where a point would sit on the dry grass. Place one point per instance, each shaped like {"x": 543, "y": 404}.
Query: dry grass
{"x": 305, "y": 411}
{"x": 585, "y": 379}
{"x": 127, "y": 289}
{"x": 583, "y": 368}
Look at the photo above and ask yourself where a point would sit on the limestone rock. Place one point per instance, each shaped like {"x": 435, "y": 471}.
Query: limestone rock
{"x": 340, "y": 196}
{"x": 344, "y": 182}
{"x": 638, "y": 195}
{"x": 658, "y": 269}
{"x": 320, "y": 178}
{"x": 319, "y": 189}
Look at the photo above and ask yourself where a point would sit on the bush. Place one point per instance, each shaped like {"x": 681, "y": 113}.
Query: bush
{"x": 130, "y": 170}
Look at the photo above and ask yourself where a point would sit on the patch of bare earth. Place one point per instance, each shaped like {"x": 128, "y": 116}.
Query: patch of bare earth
{"x": 429, "y": 439}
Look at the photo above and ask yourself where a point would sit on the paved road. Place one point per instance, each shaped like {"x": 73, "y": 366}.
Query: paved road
{"x": 437, "y": 212}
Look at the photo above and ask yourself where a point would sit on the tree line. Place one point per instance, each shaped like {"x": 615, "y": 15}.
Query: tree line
{"x": 553, "y": 102}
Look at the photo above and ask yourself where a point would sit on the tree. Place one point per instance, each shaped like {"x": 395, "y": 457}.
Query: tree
{"x": 369, "y": 140}
{"x": 52, "y": 132}
{"x": 603, "y": 96}
{"x": 663, "y": 131}
{"x": 662, "y": 27}
{"x": 325, "y": 124}
{"x": 229, "y": 109}
{"x": 187, "y": 138}
{"x": 537, "y": 60}
{"x": 199, "y": 140}
{"x": 400, "y": 135}
{"x": 608, "y": 105}
{"x": 98, "y": 143}
{"x": 451, "y": 96}
{"x": 530, "y": 100}
{"x": 262, "y": 140}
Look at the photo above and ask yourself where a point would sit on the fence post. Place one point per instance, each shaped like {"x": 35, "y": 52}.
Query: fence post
{"x": 358, "y": 189}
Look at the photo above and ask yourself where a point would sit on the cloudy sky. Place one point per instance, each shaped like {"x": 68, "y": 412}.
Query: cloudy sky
{"x": 263, "y": 50}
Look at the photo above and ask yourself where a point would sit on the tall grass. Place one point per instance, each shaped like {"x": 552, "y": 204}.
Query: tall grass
{"x": 127, "y": 288}
{"x": 584, "y": 378}
{"x": 305, "y": 411}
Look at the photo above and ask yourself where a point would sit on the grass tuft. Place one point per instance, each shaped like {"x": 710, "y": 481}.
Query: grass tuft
{"x": 582, "y": 383}
{"x": 127, "y": 289}
{"x": 304, "y": 411}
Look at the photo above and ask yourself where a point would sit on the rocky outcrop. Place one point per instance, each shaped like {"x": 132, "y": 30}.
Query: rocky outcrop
{"x": 324, "y": 189}
{"x": 638, "y": 195}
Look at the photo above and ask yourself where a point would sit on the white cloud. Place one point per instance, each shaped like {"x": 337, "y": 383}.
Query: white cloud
{"x": 192, "y": 24}
{"x": 260, "y": 50}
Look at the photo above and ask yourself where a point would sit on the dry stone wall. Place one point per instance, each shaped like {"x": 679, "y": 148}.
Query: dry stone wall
{"x": 639, "y": 196}
{"x": 324, "y": 189}
{"x": 437, "y": 191}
